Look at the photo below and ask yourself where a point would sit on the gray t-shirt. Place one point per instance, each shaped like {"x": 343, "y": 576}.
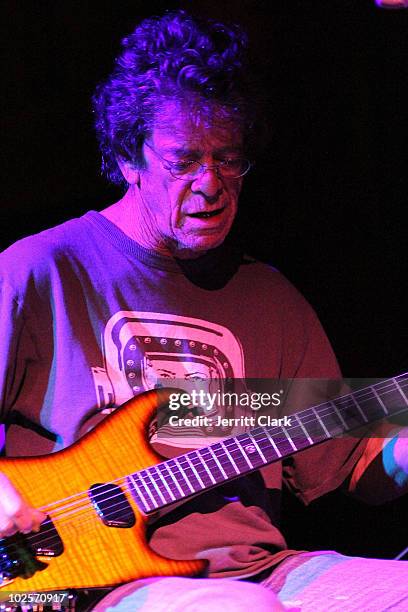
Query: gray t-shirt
{"x": 89, "y": 319}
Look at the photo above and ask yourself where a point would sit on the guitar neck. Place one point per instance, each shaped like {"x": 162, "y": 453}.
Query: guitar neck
{"x": 199, "y": 470}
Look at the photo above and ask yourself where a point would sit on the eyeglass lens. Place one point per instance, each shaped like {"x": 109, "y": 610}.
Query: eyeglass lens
{"x": 231, "y": 169}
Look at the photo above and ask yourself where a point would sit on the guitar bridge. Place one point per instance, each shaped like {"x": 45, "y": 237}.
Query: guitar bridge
{"x": 18, "y": 552}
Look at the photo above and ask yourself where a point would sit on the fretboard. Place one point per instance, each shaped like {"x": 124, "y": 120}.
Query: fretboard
{"x": 205, "y": 468}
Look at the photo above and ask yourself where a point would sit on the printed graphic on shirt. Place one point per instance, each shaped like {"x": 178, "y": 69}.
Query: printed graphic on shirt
{"x": 143, "y": 350}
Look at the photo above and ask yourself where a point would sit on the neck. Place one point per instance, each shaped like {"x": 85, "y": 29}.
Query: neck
{"x": 128, "y": 215}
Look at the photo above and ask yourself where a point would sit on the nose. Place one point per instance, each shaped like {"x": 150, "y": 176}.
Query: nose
{"x": 208, "y": 183}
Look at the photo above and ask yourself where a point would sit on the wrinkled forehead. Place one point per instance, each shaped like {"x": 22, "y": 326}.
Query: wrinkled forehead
{"x": 197, "y": 124}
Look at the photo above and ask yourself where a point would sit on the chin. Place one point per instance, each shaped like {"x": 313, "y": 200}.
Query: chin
{"x": 195, "y": 248}
{"x": 207, "y": 243}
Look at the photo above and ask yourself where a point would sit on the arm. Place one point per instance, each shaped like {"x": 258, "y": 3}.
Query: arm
{"x": 15, "y": 513}
{"x": 381, "y": 474}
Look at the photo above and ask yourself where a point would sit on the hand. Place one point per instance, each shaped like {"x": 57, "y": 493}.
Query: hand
{"x": 401, "y": 456}
{"x": 15, "y": 514}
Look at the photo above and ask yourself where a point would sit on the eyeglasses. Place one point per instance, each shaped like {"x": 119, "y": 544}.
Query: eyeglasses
{"x": 188, "y": 170}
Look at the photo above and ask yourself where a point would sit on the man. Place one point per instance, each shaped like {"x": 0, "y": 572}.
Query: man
{"x": 102, "y": 307}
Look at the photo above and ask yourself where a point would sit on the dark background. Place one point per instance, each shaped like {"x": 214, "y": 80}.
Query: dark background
{"x": 325, "y": 203}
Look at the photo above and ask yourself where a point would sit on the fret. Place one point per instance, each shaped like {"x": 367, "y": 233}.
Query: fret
{"x": 258, "y": 448}
{"x": 250, "y": 451}
{"x": 312, "y": 425}
{"x": 164, "y": 481}
{"x": 137, "y": 493}
{"x": 241, "y": 459}
{"x": 245, "y": 456}
{"x": 211, "y": 474}
{"x": 197, "y": 475}
{"x": 379, "y": 400}
{"x": 178, "y": 477}
{"x": 281, "y": 441}
{"x": 146, "y": 478}
{"x": 218, "y": 463}
{"x": 309, "y": 439}
{"x": 264, "y": 443}
{"x": 334, "y": 424}
{"x": 272, "y": 441}
{"x": 399, "y": 380}
{"x": 224, "y": 458}
{"x": 205, "y": 468}
{"x": 298, "y": 436}
{"x": 232, "y": 462}
{"x": 145, "y": 488}
{"x": 199, "y": 461}
{"x": 174, "y": 479}
{"x": 289, "y": 439}
{"x": 321, "y": 422}
{"x": 357, "y": 405}
{"x": 390, "y": 393}
{"x": 177, "y": 462}
{"x": 211, "y": 465}
{"x": 189, "y": 472}
{"x": 151, "y": 475}
{"x": 204, "y": 463}
{"x": 350, "y": 412}
{"x": 401, "y": 391}
{"x": 343, "y": 422}
{"x": 368, "y": 401}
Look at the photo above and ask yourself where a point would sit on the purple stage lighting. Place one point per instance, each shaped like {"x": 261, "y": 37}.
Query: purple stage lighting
{"x": 392, "y": 4}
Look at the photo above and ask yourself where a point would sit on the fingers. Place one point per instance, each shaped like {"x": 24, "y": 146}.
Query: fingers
{"x": 15, "y": 514}
{"x": 10, "y": 505}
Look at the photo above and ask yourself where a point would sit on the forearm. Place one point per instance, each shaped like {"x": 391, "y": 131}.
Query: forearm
{"x": 381, "y": 474}
{"x": 395, "y": 458}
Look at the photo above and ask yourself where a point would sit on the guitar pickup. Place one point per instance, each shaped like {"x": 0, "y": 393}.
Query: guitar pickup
{"x": 111, "y": 505}
{"x": 46, "y": 542}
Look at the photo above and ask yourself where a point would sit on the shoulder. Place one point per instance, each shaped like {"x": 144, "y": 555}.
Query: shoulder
{"x": 31, "y": 261}
{"x": 267, "y": 283}
{"x": 282, "y": 313}
{"x": 46, "y": 243}
{"x": 273, "y": 297}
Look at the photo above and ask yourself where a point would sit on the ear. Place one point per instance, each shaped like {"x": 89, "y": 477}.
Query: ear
{"x": 130, "y": 173}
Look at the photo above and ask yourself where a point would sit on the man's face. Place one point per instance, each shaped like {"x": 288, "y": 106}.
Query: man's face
{"x": 187, "y": 218}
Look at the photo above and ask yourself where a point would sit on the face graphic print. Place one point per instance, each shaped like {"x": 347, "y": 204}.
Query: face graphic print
{"x": 145, "y": 350}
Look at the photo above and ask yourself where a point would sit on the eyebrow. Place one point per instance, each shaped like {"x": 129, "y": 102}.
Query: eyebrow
{"x": 186, "y": 151}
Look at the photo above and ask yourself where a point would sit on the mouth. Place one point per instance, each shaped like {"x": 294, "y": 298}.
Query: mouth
{"x": 206, "y": 214}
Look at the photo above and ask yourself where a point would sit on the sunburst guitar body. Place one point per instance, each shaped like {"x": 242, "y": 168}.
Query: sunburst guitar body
{"x": 99, "y": 493}
{"x": 80, "y": 548}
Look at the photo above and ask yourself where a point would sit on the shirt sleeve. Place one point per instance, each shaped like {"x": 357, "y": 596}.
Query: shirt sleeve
{"x": 324, "y": 467}
{"x": 10, "y": 330}
{"x": 16, "y": 348}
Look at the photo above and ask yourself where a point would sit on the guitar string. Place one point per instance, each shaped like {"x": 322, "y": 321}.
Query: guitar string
{"x": 82, "y": 510}
{"x": 314, "y": 420}
{"x": 87, "y": 506}
{"x": 163, "y": 490}
{"x": 305, "y": 422}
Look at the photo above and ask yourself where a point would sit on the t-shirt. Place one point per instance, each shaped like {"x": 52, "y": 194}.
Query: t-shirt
{"x": 89, "y": 319}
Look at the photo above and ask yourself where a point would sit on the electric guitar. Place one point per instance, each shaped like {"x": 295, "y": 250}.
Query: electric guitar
{"x": 98, "y": 494}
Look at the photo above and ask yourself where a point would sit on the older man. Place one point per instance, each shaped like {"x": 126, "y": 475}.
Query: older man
{"x": 102, "y": 307}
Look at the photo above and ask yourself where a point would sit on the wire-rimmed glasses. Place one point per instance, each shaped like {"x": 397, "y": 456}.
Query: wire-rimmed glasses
{"x": 188, "y": 170}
